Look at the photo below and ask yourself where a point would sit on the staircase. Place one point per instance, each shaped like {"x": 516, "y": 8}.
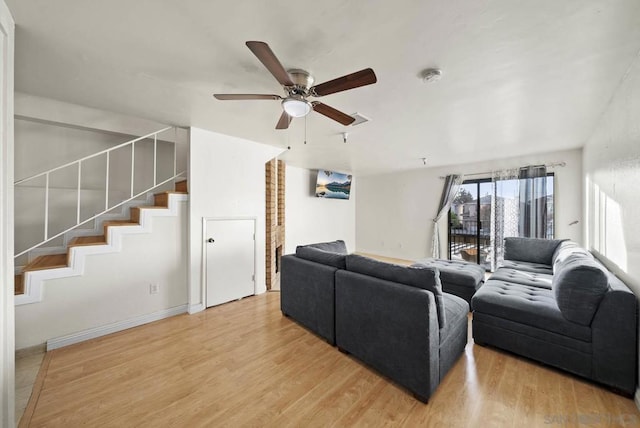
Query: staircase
{"x": 70, "y": 262}
{"x": 106, "y": 236}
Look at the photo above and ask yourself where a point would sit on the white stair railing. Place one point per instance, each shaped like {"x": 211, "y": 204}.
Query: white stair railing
{"x": 107, "y": 207}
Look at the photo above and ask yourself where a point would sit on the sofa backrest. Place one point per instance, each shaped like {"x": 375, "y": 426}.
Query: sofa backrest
{"x": 327, "y": 253}
{"x": 533, "y": 250}
{"x": 427, "y": 278}
{"x": 338, "y": 246}
{"x": 317, "y": 255}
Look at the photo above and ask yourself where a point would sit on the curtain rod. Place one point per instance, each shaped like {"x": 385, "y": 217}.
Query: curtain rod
{"x": 551, "y": 165}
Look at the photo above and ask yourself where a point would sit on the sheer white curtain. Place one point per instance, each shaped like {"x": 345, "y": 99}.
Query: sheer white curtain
{"x": 518, "y": 208}
{"x": 505, "y": 211}
{"x": 451, "y": 186}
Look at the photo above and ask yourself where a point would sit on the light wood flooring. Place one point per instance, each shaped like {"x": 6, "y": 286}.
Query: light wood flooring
{"x": 28, "y": 363}
{"x": 244, "y": 364}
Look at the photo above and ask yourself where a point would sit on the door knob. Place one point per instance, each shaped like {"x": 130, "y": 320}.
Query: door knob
{"x": 211, "y": 240}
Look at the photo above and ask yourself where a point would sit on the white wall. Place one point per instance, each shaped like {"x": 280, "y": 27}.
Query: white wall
{"x": 394, "y": 212}
{"x": 226, "y": 179}
{"x": 47, "y": 109}
{"x": 114, "y": 287}
{"x": 612, "y": 184}
{"x": 309, "y": 219}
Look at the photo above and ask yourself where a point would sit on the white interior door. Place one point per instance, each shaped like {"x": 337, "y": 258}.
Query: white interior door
{"x": 230, "y": 259}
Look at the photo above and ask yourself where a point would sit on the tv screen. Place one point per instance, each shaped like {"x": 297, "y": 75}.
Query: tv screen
{"x": 333, "y": 185}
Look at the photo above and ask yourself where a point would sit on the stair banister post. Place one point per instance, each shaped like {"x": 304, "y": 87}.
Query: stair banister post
{"x": 175, "y": 152}
{"x": 46, "y": 206}
{"x": 106, "y": 186}
{"x": 79, "y": 192}
{"x": 155, "y": 158}
{"x": 133, "y": 165}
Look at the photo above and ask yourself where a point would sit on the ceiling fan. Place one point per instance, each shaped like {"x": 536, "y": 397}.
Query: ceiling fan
{"x": 298, "y": 87}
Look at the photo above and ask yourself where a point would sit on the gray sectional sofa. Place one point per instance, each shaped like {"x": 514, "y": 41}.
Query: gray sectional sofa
{"x": 553, "y": 302}
{"x": 394, "y": 318}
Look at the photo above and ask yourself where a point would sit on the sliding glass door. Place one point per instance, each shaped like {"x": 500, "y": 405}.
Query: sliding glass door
{"x": 486, "y": 211}
{"x": 470, "y": 222}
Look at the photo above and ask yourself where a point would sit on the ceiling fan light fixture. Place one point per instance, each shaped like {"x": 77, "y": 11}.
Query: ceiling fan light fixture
{"x": 296, "y": 106}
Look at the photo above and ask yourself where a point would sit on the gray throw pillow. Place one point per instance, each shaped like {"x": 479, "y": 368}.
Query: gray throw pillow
{"x": 334, "y": 246}
{"x": 320, "y": 256}
{"x": 533, "y": 250}
{"x": 427, "y": 278}
{"x": 579, "y": 285}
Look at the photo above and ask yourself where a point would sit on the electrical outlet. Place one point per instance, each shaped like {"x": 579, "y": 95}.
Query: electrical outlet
{"x": 154, "y": 288}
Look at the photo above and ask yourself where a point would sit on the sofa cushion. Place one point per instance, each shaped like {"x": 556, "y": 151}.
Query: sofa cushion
{"x": 532, "y": 250}
{"x": 333, "y": 247}
{"x": 527, "y": 267}
{"x": 532, "y": 279}
{"x": 456, "y": 310}
{"x": 579, "y": 285}
{"x": 527, "y": 305}
{"x": 456, "y": 271}
{"x": 423, "y": 277}
{"x": 320, "y": 256}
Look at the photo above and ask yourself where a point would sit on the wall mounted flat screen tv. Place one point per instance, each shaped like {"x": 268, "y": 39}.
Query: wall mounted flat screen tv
{"x": 333, "y": 185}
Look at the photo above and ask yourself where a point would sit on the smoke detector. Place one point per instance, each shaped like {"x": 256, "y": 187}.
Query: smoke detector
{"x": 430, "y": 75}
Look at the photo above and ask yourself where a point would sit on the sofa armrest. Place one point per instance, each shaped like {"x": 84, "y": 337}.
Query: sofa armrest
{"x": 391, "y": 327}
{"x": 615, "y": 339}
{"x": 307, "y": 294}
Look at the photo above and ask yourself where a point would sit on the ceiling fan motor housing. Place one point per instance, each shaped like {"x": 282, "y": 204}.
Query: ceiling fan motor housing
{"x": 302, "y": 80}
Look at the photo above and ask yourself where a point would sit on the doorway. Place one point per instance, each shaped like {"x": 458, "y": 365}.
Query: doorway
{"x": 485, "y": 211}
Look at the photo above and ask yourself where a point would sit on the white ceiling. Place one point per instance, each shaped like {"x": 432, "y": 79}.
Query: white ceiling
{"x": 519, "y": 77}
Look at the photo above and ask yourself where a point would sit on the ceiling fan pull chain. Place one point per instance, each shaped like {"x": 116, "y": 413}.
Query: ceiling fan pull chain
{"x": 305, "y": 129}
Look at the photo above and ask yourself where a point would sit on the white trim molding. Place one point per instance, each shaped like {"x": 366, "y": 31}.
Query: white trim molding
{"x": 7, "y": 315}
{"x": 199, "y": 307}
{"x": 33, "y": 280}
{"x": 104, "y": 330}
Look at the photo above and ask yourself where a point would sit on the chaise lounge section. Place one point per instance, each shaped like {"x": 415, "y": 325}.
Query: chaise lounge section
{"x": 554, "y": 303}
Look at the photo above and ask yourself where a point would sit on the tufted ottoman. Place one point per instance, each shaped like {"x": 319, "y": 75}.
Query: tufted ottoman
{"x": 459, "y": 278}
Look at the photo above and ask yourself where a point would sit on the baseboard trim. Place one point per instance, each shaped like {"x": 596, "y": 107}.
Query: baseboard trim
{"x": 199, "y": 307}
{"x": 93, "y": 333}
{"x": 31, "y": 350}
{"x": 636, "y": 398}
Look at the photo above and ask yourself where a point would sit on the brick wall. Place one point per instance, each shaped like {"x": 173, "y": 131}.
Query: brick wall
{"x": 274, "y": 216}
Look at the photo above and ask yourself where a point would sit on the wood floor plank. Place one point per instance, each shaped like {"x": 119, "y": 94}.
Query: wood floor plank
{"x": 244, "y": 364}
